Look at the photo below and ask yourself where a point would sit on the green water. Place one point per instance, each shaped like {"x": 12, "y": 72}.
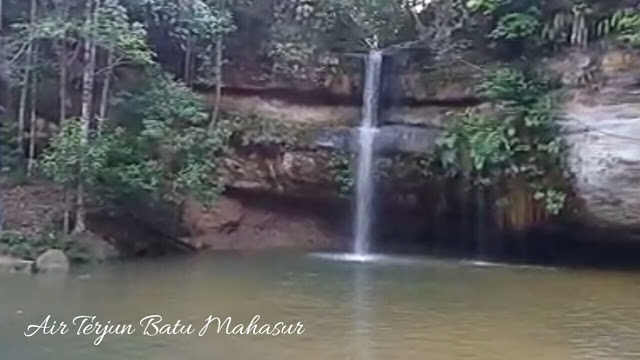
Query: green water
{"x": 420, "y": 309}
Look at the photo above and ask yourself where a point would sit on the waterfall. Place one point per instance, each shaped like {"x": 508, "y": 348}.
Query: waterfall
{"x": 366, "y": 138}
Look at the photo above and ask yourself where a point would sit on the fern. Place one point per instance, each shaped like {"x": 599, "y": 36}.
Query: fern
{"x": 515, "y": 26}
{"x": 623, "y": 25}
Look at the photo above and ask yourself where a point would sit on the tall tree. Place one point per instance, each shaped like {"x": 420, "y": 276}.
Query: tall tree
{"x": 63, "y": 64}
{"x": 33, "y": 96}
{"x": 1, "y": 114}
{"x": 24, "y": 92}
{"x": 219, "y": 62}
{"x": 88, "y": 79}
{"x": 123, "y": 42}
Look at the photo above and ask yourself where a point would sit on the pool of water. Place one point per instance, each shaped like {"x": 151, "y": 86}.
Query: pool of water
{"x": 415, "y": 308}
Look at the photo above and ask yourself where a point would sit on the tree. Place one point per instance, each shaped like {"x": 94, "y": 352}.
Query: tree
{"x": 194, "y": 25}
{"x": 2, "y": 114}
{"x": 169, "y": 152}
{"x": 29, "y": 63}
{"x": 88, "y": 78}
{"x": 218, "y": 64}
{"x": 33, "y": 91}
{"x": 123, "y": 41}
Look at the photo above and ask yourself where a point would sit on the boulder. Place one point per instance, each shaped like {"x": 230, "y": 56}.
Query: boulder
{"x": 52, "y": 260}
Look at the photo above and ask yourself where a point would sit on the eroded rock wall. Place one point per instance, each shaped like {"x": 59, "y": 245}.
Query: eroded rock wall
{"x": 602, "y": 128}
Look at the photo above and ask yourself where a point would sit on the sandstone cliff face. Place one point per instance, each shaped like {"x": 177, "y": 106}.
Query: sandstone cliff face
{"x": 603, "y": 133}
{"x": 601, "y": 127}
{"x": 240, "y": 223}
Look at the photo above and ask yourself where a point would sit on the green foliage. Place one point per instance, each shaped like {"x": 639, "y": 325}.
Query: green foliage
{"x": 340, "y": 166}
{"x": 195, "y": 18}
{"x": 50, "y": 27}
{"x": 11, "y": 156}
{"x": 485, "y": 6}
{"x": 194, "y": 26}
{"x": 520, "y": 140}
{"x": 305, "y": 31}
{"x": 157, "y": 146}
{"x": 578, "y": 25}
{"x": 625, "y": 26}
{"x": 298, "y": 31}
{"x": 115, "y": 31}
{"x": 29, "y": 247}
{"x": 165, "y": 147}
{"x": 474, "y": 146}
{"x": 554, "y": 200}
{"x": 506, "y": 84}
{"x": 374, "y": 23}
{"x": 70, "y": 160}
{"x": 515, "y": 26}
{"x": 248, "y": 130}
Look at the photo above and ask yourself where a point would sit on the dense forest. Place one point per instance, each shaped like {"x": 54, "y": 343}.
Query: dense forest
{"x": 102, "y": 97}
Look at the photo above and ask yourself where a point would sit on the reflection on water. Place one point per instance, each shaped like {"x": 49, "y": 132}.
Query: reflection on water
{"x": 358, "y": 311}
{"x": 362, "y": 310}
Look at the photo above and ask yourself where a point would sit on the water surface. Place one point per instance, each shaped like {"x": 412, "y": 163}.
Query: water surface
{"x": 413, "y": 309}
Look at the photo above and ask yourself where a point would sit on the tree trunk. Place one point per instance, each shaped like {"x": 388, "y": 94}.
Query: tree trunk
{"x": 62, "y": 93}
{"x": 33, "y": 115}
{"x": 187, "y": 62}
{"x": 66, "y": 219}
{"x": 6, "y": 110}
{"x": 62, "y": 59}
{"x": 106, "y": 87}
{"x": 88, "y": 78}
{"x": 22, "y": 109}
{"x": 62, "y": 90}
{"x": 219, "y": 63}
{"x": 63, "y": 63}
{"x": 219, "y": 59}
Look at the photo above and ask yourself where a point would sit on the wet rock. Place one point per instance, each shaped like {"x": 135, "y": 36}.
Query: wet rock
{"x": 406, "y": 139}
{"x": 13, "y": 265}
{"x": 52, "y": 260}
{"x": 388, "y": 139}
{"x": 334, "y": 139}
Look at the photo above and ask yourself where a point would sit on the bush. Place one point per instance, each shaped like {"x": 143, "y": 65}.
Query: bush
{"x": 515, "y": 26}
{"x": 166, "y": 145}
{"x": 521, "y": 141}
{"x": 29, "y": 247}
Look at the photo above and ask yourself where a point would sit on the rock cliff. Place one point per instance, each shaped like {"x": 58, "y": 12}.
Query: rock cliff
{"x": 602, "y": 129}
{"x": 601, "y": 125}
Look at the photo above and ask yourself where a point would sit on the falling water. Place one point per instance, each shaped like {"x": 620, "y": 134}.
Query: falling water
{"x": 366, "y": 137}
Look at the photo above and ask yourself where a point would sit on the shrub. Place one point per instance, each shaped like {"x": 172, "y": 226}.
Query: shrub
{"x": 29, "y": 247}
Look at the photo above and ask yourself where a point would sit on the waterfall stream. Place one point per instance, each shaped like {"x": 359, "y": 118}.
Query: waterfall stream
{"x": 366, "y": 138}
